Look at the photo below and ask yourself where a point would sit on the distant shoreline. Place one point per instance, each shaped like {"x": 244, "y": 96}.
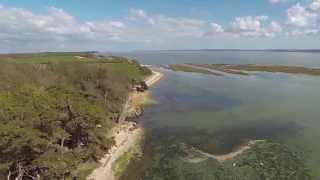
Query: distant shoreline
{"x": 243, "y": 69}
{"x": 161, "y": 50}
{"x": 234, "y": 50}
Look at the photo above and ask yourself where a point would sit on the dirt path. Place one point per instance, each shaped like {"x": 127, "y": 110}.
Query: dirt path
{"x": 126, "y": 135}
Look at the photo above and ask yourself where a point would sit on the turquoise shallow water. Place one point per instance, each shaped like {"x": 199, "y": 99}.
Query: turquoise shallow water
{"x": 196, "y": 108}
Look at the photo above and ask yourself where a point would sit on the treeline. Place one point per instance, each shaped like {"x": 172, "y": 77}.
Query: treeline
{"x": 56, "y": 116}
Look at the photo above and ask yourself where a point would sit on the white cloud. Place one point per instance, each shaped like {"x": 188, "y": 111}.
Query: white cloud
{"x": 304, "y": 19}
{"x": 56, "y": 24}
{"x": 255, "y": 27}
{"x": 138, "y": 13}
{"x": 248, "y": 23}
{"x": 301, "y": 16}
{"x": 275, "y": 27}
{"x": 215, "y": 29}
{"x": 57, "y": 29}
{"x": 159, "y": 27}
{"x": 315, "y": 5}
{"x": 277, "y": 1}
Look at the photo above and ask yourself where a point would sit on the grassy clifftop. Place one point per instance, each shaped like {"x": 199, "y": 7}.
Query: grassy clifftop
{"x": 56, "y": 109}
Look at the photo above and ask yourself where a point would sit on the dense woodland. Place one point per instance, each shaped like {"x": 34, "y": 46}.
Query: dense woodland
{"x": 56, "y": 110}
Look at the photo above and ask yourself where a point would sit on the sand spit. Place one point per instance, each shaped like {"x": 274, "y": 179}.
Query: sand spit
{"x": 201, "y": 155}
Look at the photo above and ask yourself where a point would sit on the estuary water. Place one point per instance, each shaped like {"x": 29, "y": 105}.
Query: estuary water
{"x": 307, "y": 59}
{"x": 219, "y": 113}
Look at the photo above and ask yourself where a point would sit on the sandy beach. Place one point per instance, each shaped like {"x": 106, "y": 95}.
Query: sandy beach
{"x": 126, "y": 134}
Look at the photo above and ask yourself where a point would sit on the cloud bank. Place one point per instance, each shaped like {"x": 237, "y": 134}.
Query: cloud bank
{"x": 304, "y": 19}
{"x": 23, "y": 30}
{"x": 277, "y": 1}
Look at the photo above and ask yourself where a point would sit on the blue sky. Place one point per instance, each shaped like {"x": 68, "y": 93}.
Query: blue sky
{"x": 107, "y": 9}
{"x": 105, "y": 25}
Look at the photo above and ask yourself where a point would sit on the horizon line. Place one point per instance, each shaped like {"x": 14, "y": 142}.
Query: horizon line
{"x": 159, "y": 50}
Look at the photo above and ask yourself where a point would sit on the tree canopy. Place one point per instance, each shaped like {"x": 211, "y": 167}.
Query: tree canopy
{"x": 55, "y": 111}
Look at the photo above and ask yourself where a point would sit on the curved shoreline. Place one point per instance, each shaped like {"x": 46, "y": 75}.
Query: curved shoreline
{"x": 126, "y": 134}
{"x": 223, "y": 157}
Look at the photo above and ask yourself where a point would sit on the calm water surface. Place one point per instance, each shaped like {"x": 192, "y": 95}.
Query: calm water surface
{"x": 227, "y": 57}
{"x": 275, "y": 106}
